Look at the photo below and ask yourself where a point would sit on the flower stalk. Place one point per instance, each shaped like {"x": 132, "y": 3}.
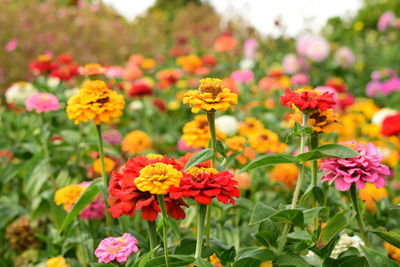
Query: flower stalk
{"x": 46, "y": 153}
{"x": 164, "y": 217}
{"x": 282, "y": 240}
{"x": 314, "y": 170}
{"x": 152, "y": 235}
{"x": 103, "y": 175}
{"x": 359, "y": 219}
{"x": 201, "y": 216}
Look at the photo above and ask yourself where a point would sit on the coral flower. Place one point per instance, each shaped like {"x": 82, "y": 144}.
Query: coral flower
{"x": 92, "y": 69}
{"x": 308, "y": 99}
{"x": 116, "y": 248}
{"x": 95, "y": 101}
{"x": 266, "y": 141}
{"x": 42, "y": 102}
{"x": 320, "y": 121}
{"x": 203, "y": 184}
{"x": 286, "y": 174}
{"x": 225, "y": 43}
{"x": 365, "y": 168}
{"x": 210, "y": 96}
{"x": 135, "y": 142}
{"x": 69, "y": 195}
{"x": 125, "y": 197}
{"x": 370, "y": 194}
{"x": 391, "y": 125}
{"x": 57, "y": 262}
{"x": 196, "y": 133}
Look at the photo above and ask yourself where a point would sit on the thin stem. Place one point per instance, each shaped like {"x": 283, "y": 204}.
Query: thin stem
{"x": 314, "y": 171}
{"x": 152, "y": 235}
{"x": 85, "y": 253}
{"x": 103, "y": 175}
{"x": 46, "y": 153}
{"x": 164, "y": 216}
{"x": 211, "y": 125}
{"x": 359, "y": 219}
{"x": 201, "y": 216}
{"x": 282, "y": 240}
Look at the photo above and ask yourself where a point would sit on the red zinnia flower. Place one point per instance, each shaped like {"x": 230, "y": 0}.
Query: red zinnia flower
{"x": 140, "y": 89}
{"x": 125, "y": 198}
{"x": 159, "y": 103}
{"x": 203, "y": 184}
{"x": 307, "y": 99}
{"x": 42, "y": 64}
{"x": 337, "y": 84}
{"x": 391, "y": 125}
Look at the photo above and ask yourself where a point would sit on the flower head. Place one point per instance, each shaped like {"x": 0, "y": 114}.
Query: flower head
{"x": 266, "y": 141}
{"x": 365, "y": 168}
{"x": 286, "y": 174}
{"x": 225, "y": 43}
{"x": 211, "y": 96}
{"x": 308, "y": 99}
{"x": 109, "y": 165}
{"x": 391, "y": 125}
{"x": 345, "y": 57}
{"x": 250, "y": 126}
{"x": 136, "y": 142}
{"x": 19, "y": 92}
{"x": 20, "y": 235}
{"x": 196, "y": 133}
{"x": 242, "y": 76}
{"x": 42, "y": 102}
{"x": 116, "y": 248}
{"x": 345, "y": 242}
{"x": 57, "y": 262}
{"x": 202, "y": 184}
{"x": 113, "y": 137}
{"x": 68, "y": 195}
{"x": 140, "y": 89}
{"x": 95, "y": 101}
{"x": 92, "y": 69}
{"x": 320, "y": 121}
{"x": 95, "y": 210}
{"x": 393, "y": 252}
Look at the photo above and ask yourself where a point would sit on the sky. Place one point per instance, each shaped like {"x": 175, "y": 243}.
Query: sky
{"x": 295, "y": 15}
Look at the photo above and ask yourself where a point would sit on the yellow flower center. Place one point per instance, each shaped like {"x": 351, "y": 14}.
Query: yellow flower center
{"x": 196, "y": 171}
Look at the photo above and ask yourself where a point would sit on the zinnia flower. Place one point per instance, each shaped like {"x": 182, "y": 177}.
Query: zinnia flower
{"x": 386, "y": 20}
{"x": 313, "y": 46}
{"x": 227, "y": 124}
{"x": 57, "y": 262}
{"x": 95, "y": 101}
{"x": 185, "y": 159}
{"x": 344, "y": 243}
{"x": 225, "y": 43}
{"x": 210, "y": 96}
{"x": 116, "y": 248}
{"x": 135, "y": 142}
{"x": 391, "y": 125}
{"x": 320, "y": 121}
{"x": 242, "y": 76}
{"x": 109, "y": 165}
{"x": 286, "y": 174}
{"x": 393, "y": 252}
{"x": 92, "y": 69}
{"x": 19, "y": 92}
{"x": 42, "y": 102}
{"x": 202, "y": 184}
{"x": 140, "y": 89}
{"x": 43, "y": 64}
{"x": 369, "y": 194}
{"x": 345, "y": 57}
{"x": 69, "y": 195}
{"x": 250, "y": 126}
{"x": 365, "y": 168}
{"x": 125, "y": 197}
{"x": 196, "y": 133}
{"x": 266, "y": 141}
{"x": 95, "y": 210}
{"x": 337, "y": 84}
{"x": 307, "y": 99}
{"x": 20, "y": 235}
{"x": 113, "y": 137}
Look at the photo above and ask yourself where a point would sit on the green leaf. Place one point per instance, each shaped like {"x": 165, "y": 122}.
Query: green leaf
{"x": 253, "y": 257}
{"x": 268, "y": 159}
{"x": 390, "y": 237}
{"x": 199, "y": 262}
{"x": 204, "y": 155}
{"x": 291, "y": 215}
{"x": 311, "y": 214}
{"x": 142, "y": 260}
{"x": 85, "y": 199}
{"x": 175, "y": 228}
{"x": 290, "y": 260}
{"x": 40, "y": 174}
{"x": 225, "y": 253}
{"x": 298, "y": 129}
{"x": 328, "y": 151}
{"x": 376, "y": 259}
{"x": 267, "y": 238}
{"x": 261, "y": 212}
{"x": 220, "y": 148}
{"x": 300, "y": 235}
{"x": 334, "y": 226}
{"x": 174, "y": 260}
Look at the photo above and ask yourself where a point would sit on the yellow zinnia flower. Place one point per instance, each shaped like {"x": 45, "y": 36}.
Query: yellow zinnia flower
{"x": 393, "y": 252}
{"x": 266, "y": 141}
{"x": 250, "y": 126}
{"x": 157, "y": 178}
{"x": 95, "y": 101}
{"x": 109, "y": 165}
{"x": 210, "y": 96}
{"x": 196, "y": 133}
{"x": 320, "y": 121}
{"x": 236, "y": 143}
{"x": 68, "y": 195}
{"x": 370, "y": 193}
{"x": 135, "y": 142}
{"x": 152, "y": 156}
{"x": 57, "y": 262}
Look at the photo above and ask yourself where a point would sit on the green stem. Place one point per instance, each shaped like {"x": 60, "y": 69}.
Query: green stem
{"x": 46, "y": 153}
{"x": 161, "y": 202}
{"x": 86, "y": 260}
{"x": 314, "y": 171}
{"x": 201, "y": 216}
{"x": 359, "y": 219}
{"x": 152, "y": 235}
{"x": 103, "y": 175}
{"x": 282, "y": 240}
{"x": 211, "y": 125}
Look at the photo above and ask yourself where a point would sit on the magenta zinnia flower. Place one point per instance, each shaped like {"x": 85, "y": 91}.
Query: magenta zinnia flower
{"x": 42, "y": 102}
{"x": 95, "y": 210}
{"x": 359, "y": 170}
{"x": 116, "y": 248}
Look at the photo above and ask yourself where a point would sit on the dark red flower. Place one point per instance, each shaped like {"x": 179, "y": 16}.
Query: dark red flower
{"x": 391, "y": 125}
{"x": 307, "y": 99}
{"x": 159, "y": 103}
{"x": 65, "y": 72}
{"x": 203, "y": 184}
{"x": 337, "y": 84}
{"x": 125, "y": 198}
{"x": 140, "y": 89}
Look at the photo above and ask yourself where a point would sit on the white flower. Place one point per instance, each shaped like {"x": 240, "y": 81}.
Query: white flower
{"x": 19, "y": 92}
{"x": 53, "y": 82}
{"x": 227, "y": 124}
{"x": 247, "y": 63}
{"x": 135, "y": 105}
{"x": 345, "y": 242}
{"x": 380, "y": 115}
{"x": 71, "y": 92}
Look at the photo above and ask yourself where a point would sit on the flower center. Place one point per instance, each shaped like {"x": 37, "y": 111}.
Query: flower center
{"x": 212, "y": 86}
{"x": 196, "y": 172}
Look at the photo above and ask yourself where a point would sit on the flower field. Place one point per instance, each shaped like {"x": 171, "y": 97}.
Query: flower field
{"x": 244, "y": 151}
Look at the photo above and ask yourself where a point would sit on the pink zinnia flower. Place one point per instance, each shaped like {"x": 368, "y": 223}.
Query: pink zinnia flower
{"x": 359, "y": 170}
{"x": 250, "y": 47}
{"x": 386, "y": 20}
{"x": 299, "y": 79}
{"x": 314, "y": 47}
{"x": 116, "y": 248}
{"x": 184, "y": 147}
{"x": 113, "y": 137}
{"x": 113, "y": 72}
{"x": 242, "y": 76}
{"x": 11, "y": 45}
{"x": 42, "y": 102}
{"x": 95, "y": 210}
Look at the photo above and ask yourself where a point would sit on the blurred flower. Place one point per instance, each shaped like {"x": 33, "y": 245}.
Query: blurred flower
{"x": 286, "y": 174}
{"x": 344, "y": 243}
{"x": 369, "y": 194}
{"x": 135, "y": 142}
{"x": 250, "y": 47}
{"x": 393, "y": 252}
{"x": 43, "y": 64}
{"x": 140, "y": 89}
{"x": 113, "y": 137}
{"x": 168, "y": 77}
{"x": 57, "y": 262}
{"x": 211, "y": 96}
{"x": 135, "y": 105}
{"x": 381, "y": 114}
{"x": 11, "y": 45}
{"x": 291, "y": 63}
{"x": 109, "y": 165}
{"x": 27, "y": 258}
{"x": 68, "y": 195}
{"x": 113, "y": 72}
{"x": 148, "y": 63}
{"x": 242, "y": 76}
{"x": 227, "y": 124}
{"x": 225, "y": 43}
{"x": 95, "y": 101}
{"x": 125, "y": 198}
{"x": 313, "y": 46}
{"x": 116, "y": 248}
{"x": 337, "y": 84}
{"x": 266, "y": 141}
{"x": 320, "y": 121}
{"x": 247, "y": 64}
{"x": 160, "y": 104}
{"x": 299, "y": 79}
{"x": 196, "y": 133}
{"x": 92, "y": 69}
{"x": 391, "y": 125}
{"x": 366, "y": 107}
{"x": 183, "y": 147}
{"x": 365, "y": 168}
{"x": 345, "y": 57}
{"x": 19, "y": 92}
{"x": 203, "y": 184}
{"x": 231, "y": 84}
{"x": 387, "y": 19}
{"x": 20, "y": 235}
{"x": 243, "y": 179}
{"x": 42, "y": 102}
{"x": 185, "y": 159}
{"x": 190, "y": 63}
{"x": 95, "y": 210}
{"x": 53, "y": 82}
{"x": 308, "y": 99}
{"x": 250, "y": 126}
{"x": 132, "y": 72}
{"x": 236, "y": 143}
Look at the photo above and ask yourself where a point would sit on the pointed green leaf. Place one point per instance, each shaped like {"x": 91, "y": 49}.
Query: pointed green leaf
{"x": 261, "y": 212}
{"x": 390, "y": 237}
{"x": 328, "y": 151}
{"x": 268, "y": 159}
{"x": 204, "y": 155}
{"x": 291, "y": 215}
{"x": 376, "y": 259}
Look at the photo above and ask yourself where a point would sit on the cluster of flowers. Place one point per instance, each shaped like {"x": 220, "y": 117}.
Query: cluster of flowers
{"x": 383, "y": 82}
